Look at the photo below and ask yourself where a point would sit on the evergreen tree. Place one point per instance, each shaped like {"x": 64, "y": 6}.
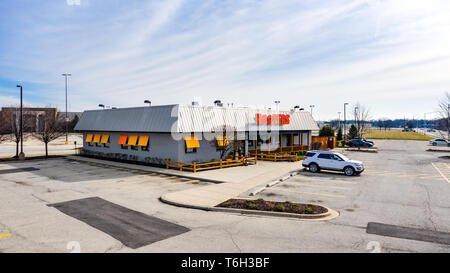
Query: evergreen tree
{"x": 352, "y": 132}
{"x": 326, "y": 131}
{"x": 339, "y": 134}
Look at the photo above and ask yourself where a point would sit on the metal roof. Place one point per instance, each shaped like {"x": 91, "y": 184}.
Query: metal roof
{"x": 186, "y": 118}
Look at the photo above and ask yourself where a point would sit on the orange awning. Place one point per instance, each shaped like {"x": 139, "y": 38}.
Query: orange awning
{"x": 123, "y": 139}
{"x": 132, "y": 140}
{"x": 105, "y": 138}
{"x": 143, "y": 141}
{"x": 97, "y": 138}
{"x": 221, "y": 141}
{"x": 192, "y": 142}
{"x": 89, "y": 137}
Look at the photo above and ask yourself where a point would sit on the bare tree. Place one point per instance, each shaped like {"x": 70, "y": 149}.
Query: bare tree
{"x": 4, "y": 129}
{"x": 53, "y": 128}
{"x": 226, "y": 141}
{"x": 444, "y": 105}
{"x": 361, "y": 115}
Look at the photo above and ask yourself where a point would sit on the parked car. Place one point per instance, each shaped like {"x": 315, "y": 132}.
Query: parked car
{"x": 317, "y": 160}
{"x": 439, "y": 142}
{"x": 431, "y": 130}
{"x": 359, "y": 143}
{"x": 363, "y": 139}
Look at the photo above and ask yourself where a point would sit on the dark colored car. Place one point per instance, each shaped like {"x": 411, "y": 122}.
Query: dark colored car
{"x": 359, "y": 143}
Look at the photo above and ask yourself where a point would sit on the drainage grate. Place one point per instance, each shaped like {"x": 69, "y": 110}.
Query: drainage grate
{"x": 134, "y": 229}
{"x": 408, "y": 233}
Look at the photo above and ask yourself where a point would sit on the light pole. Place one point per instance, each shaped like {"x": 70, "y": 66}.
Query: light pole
{"x": 448, "y": 122}
{"x": 339, "y": 120}
{"x": 67, "y": 121}
{"x": 345, "y": 123}
{"x": 357, "y": 121}
{"x": 149, "y": 102}
{"x": 21, "y": 155}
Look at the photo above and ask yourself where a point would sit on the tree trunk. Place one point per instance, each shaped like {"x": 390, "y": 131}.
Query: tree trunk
{"x": 17, "y": 149}
{"x": 46, "y": 150}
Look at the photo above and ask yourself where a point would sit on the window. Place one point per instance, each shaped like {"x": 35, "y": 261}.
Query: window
{"x": 191, "y": 150}
{"x": 132, "y": 141}
{"x": 251, "y": 143}
{"x": 191, "y": 144}
{"x": 97, "y": 139}
{"x": 105, "y": 140}
{"x": 324, "y": 156}
{"x": 336, "y": 157}
{"x": 123, "y": 142}
{"x": 143, "y": 142}
{"x": 309, "y": 154}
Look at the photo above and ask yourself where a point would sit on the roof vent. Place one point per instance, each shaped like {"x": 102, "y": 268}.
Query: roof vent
{"x": 218, "y": 103}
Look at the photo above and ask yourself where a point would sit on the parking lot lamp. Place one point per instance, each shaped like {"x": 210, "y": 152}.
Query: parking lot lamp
{"x": 21, "y": 155}
{"x": 345, "y": 123}
{"x": 67, "y": 120}
{"x": 448, "y": 121}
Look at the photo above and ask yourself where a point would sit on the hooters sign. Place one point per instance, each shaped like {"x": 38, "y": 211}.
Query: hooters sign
{"x": 276, "y": 119}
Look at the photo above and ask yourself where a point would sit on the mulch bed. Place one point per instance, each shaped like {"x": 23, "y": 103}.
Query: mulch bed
{"x": 264, "y": 205}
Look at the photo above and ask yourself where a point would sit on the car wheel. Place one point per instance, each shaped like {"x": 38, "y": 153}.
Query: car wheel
{"x": 313, "y": 168}
{"x": 434, "y": 143}
{"x": 349, "y": 171}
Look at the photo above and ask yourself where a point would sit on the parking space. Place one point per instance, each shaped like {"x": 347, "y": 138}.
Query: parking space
{"x": 96, "y": 177}
{"x": 389, "y": 173}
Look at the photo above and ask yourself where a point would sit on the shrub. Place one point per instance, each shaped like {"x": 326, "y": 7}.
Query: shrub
{"x": 308, "y": 210}
{"x": 252, "y": 206}
{"x": 288, "y": 202}
{"x": 280, "y": 208}
{"x": 295, "y": 204}
{"x": 260, "y": 199}
{"x": 251, "y": 201}
{"x": 226, "y": 204}
{"x": 213, "y": 160}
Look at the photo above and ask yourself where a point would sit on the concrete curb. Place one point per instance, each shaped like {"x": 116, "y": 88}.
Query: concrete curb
{"x": 273, "y": 183}
{"x": 141, "y": 168}
{"x": 330, "y": 214}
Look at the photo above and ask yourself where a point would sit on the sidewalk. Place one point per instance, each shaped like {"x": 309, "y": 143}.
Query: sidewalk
{"x": 231, "y": 182}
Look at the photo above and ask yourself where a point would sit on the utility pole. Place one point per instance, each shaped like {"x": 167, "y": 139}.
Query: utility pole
{"x": 448, "y": 121}
{"x": 345, "y": 123}
{"x": 66, "y": 121}
{"x": 339, "y": 120}
{"x": 21, "y": 155}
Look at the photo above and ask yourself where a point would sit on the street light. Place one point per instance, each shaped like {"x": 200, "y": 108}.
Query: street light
{"x": 345, "y": 123}
{"x": 339, "y": 120}
{"x": 312, "y": 106}
{"x": 67, "y": 121}
{"x": 21, "y": 155}
{"x": 149, "y": 102}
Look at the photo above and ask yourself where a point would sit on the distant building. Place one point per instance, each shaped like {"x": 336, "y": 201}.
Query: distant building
{"x": 190, "y": 133}
{"x": 33, "y": 117}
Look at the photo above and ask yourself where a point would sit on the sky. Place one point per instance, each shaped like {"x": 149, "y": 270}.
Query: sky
{"x": 391, "y": 56}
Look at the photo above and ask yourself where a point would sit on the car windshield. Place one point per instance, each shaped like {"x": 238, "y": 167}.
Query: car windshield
{"x": 342, "y": 156}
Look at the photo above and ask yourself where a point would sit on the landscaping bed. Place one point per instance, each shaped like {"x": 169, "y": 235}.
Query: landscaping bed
{"x": 263, "y": 205}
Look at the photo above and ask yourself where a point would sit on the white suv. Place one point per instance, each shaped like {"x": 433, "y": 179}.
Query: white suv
{"x": 326, "y": 160}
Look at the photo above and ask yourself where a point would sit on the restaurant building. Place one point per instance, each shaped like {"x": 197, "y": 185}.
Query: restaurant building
{"x": 192, "y": 133}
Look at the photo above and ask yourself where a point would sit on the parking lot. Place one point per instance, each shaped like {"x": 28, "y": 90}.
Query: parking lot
{"x": 56, "y": 204}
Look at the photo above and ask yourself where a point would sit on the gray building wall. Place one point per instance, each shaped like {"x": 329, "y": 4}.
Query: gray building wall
{"x": 161, "y": 147}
